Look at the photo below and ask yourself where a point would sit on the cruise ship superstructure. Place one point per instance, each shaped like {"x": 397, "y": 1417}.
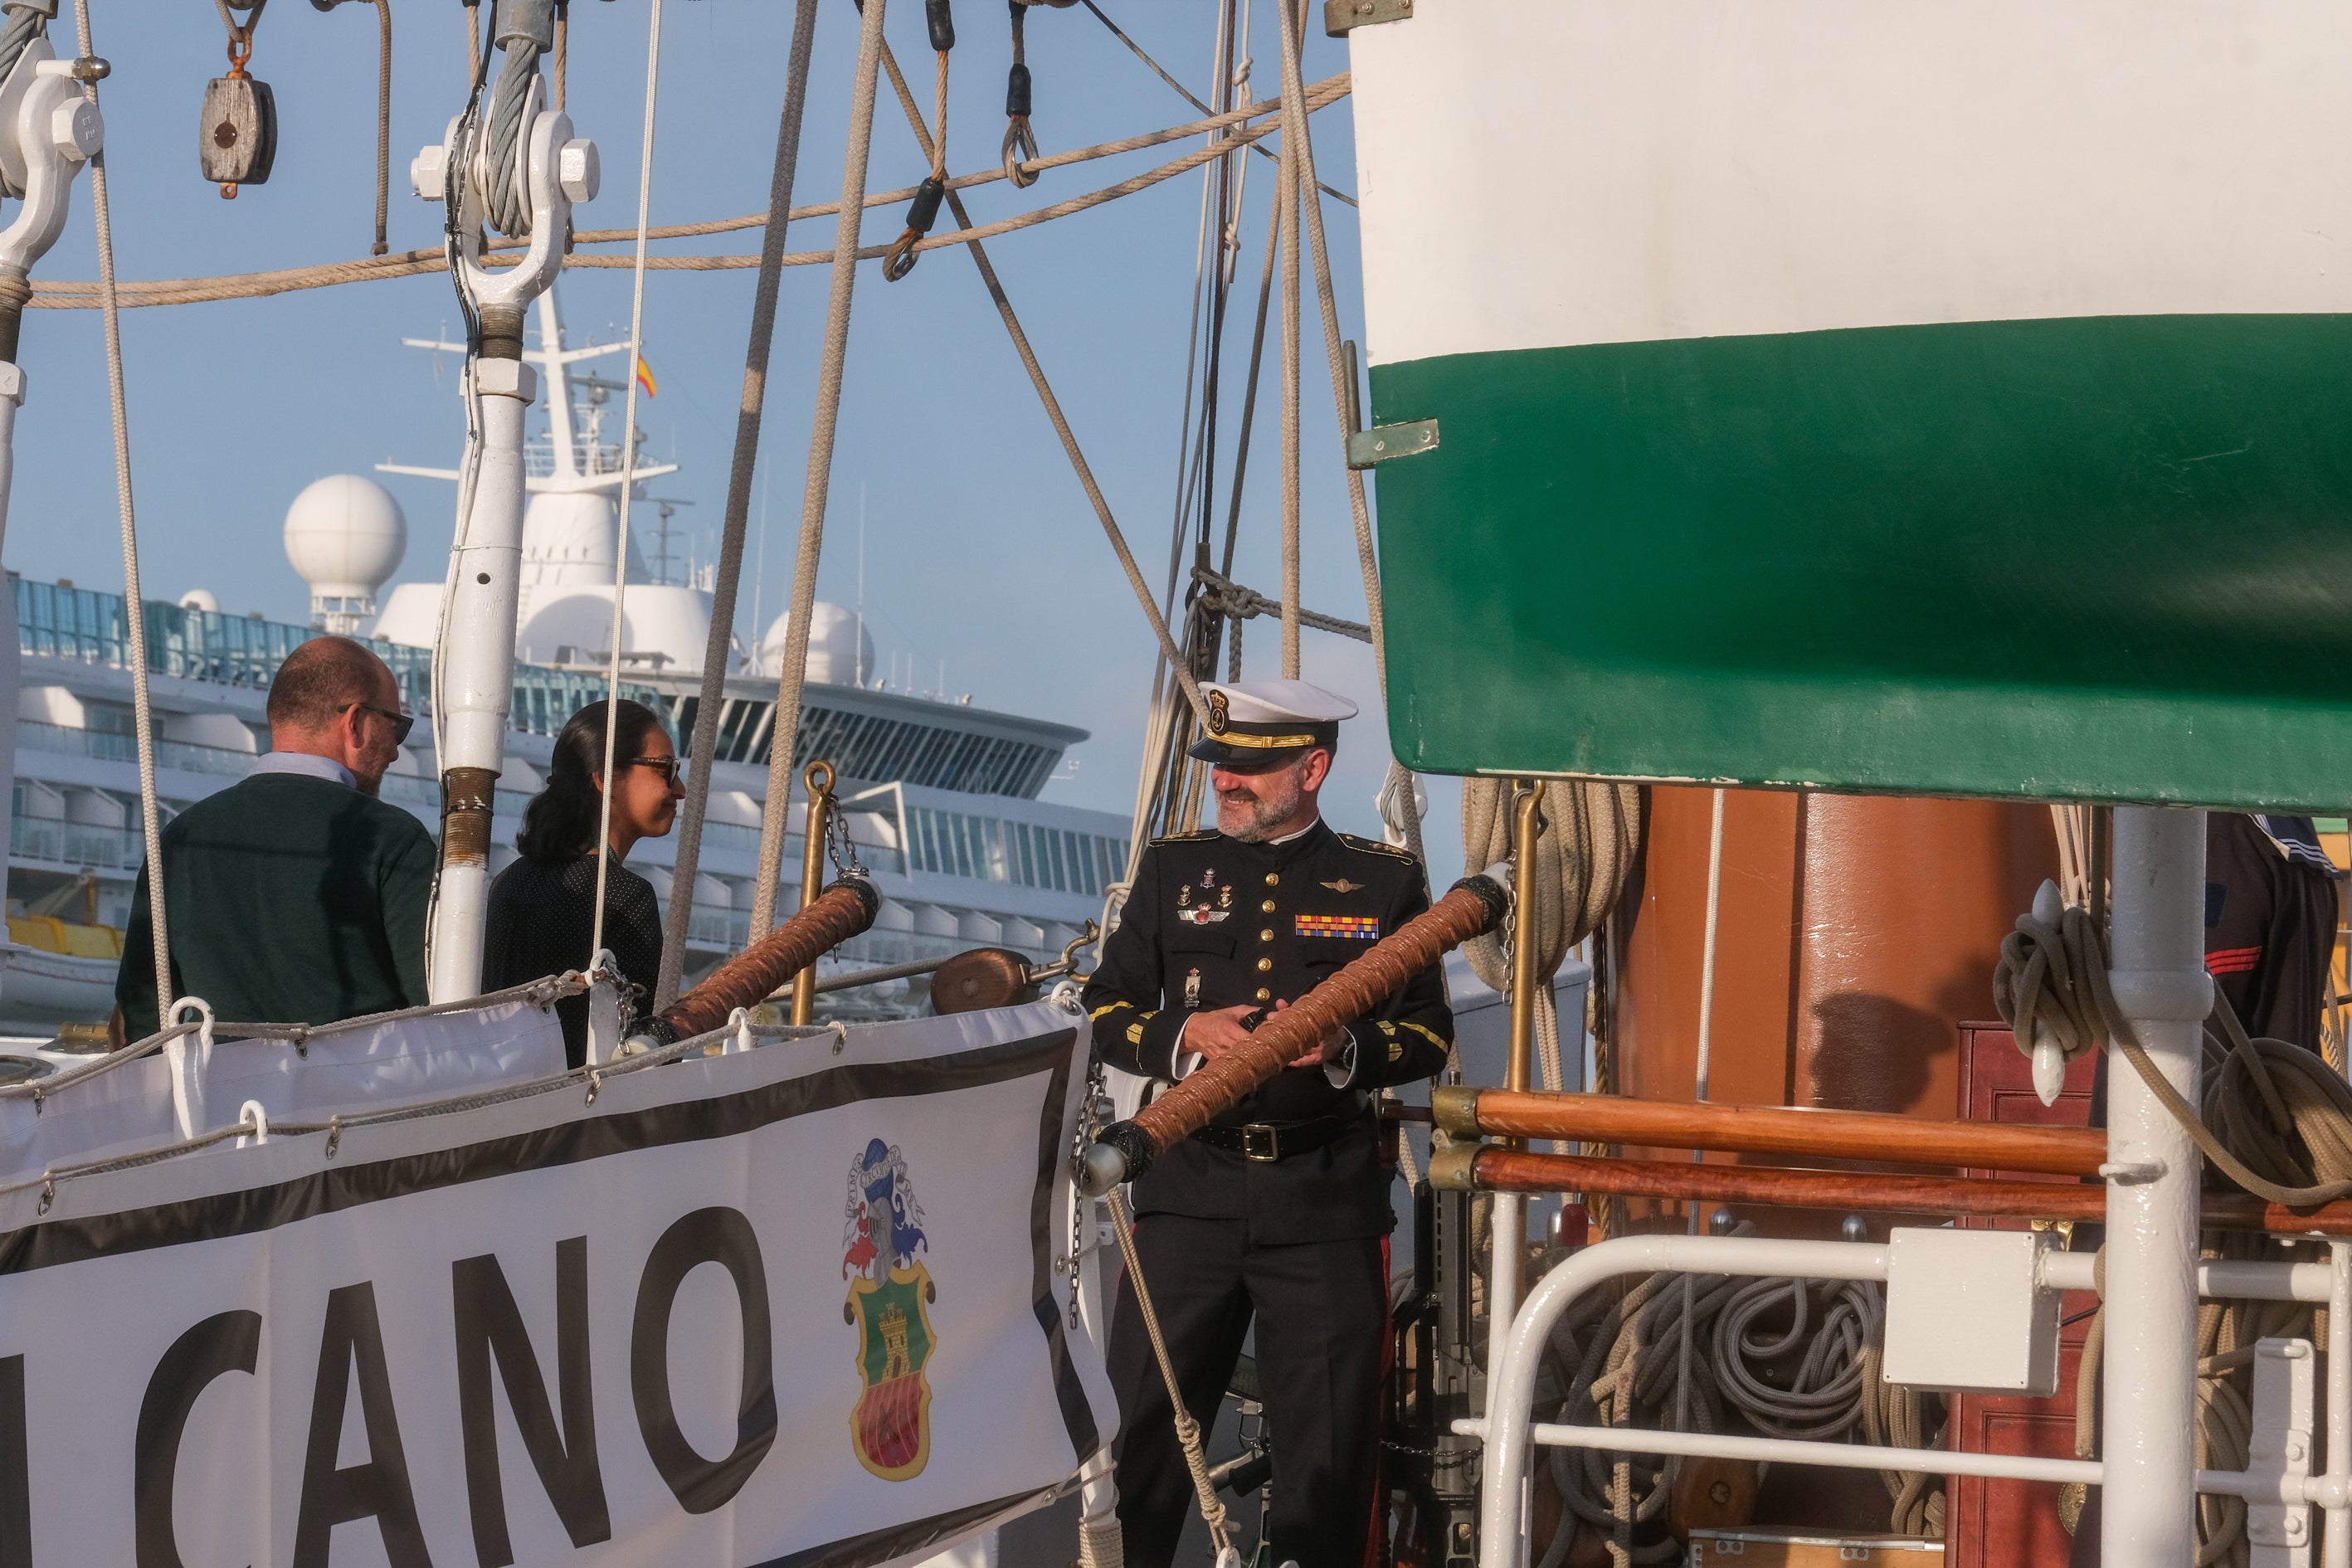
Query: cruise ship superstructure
{"x": 943, "y": 796}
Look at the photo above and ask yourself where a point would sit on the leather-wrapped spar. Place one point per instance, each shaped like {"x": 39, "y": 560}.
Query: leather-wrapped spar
{"x": 1125, "y": 1150}
{"x": 752, "y": 977}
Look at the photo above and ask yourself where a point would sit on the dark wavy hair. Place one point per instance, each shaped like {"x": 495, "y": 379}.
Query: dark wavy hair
{"x": 561, "y": 820}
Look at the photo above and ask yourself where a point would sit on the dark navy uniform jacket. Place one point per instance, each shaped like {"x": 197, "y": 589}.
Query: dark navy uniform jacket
{"x": 1212, "y": 922}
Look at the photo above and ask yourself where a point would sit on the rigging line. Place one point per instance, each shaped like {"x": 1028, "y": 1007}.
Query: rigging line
{"x": 1160, "y": 71}
{"x": 79, "y": 293}
{"x": 724, "y": 591}
{"x": 1287, "y": 185}
{"x": 383, "y": 123}
{"x": 628, "y": 492}
{"x": 134, "y": 604}
{"x": 1249, "y": 394}
{"x": 1295, "y": 111}
{"x": 824, "y": 424}
{"x": 969, "y": 236}
{"x": 1199, "y": 477}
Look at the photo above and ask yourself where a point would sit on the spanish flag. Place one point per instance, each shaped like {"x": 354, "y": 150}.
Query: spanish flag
{"x": 645, "y": 377}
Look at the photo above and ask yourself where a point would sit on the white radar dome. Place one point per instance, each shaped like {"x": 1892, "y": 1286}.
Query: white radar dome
{"x": 345, "y": 536}
{"x": 839, "y": 649}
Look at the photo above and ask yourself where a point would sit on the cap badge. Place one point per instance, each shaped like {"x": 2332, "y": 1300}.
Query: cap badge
{"x": 1345, "y": 886}
{"x": 1218, "y": 706}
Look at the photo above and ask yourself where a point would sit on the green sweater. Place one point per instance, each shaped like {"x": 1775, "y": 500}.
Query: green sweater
{"x": 291, "y": 901}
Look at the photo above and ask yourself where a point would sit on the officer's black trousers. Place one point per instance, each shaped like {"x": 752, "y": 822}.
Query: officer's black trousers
{"x": 1321, "y": 1311}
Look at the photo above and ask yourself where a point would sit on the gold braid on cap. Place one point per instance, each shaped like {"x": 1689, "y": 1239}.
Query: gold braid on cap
{"x": 1266, "y": 742}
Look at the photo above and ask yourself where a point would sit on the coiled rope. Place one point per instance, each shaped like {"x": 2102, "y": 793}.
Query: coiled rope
{"x": 1627, "y": 1371}
{"x": 2275, "y": 1118}
{"x": 2276, "y": 1105}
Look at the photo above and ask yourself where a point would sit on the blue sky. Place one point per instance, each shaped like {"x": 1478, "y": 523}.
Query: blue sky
{"x": 981, "y": 550}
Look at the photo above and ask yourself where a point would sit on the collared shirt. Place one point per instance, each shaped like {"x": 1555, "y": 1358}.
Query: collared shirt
{"x": 309, "y": 765}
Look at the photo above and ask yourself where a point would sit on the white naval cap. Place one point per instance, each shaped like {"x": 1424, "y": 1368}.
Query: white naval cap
{"x": 1263, "y": 722}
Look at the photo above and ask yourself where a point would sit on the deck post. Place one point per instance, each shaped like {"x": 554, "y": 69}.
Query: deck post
{"x": 2148, "y": 1435}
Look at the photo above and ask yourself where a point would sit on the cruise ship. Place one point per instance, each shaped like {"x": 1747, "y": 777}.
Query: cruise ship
{"x": 943, "y": 796}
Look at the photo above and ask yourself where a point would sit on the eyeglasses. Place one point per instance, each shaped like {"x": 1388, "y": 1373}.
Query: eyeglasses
{"x": 665, "y": 766}
{"x": 402, "y": 723}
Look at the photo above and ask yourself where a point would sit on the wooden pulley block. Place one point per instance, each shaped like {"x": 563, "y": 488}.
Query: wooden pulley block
{"x": 237, "y": 140}
{"x": 985, "y": 977}
{"x": 1711, "y": 1494}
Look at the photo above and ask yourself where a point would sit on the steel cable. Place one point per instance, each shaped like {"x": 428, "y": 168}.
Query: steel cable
{"x": 506, "y": 201}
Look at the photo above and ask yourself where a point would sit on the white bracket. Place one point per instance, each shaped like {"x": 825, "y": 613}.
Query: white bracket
{"x": 556, "y": 168}
{"x": 48, "y": 132}
{"x": 2280, "y": 1452}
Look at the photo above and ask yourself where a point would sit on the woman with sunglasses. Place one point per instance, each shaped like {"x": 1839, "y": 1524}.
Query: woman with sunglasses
{"x": 543, "y": 906}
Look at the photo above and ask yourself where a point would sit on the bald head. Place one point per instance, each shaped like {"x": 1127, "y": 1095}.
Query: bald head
{"x": 323, "y": 676}
{"x": 334, "y": 698}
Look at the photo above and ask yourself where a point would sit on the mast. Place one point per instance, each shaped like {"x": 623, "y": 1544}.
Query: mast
{"x": 473, "y": 678}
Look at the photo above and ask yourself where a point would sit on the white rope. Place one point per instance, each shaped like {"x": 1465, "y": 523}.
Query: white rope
{"x": 628, "y": 492}
{"x": 724, "y": 591}
{"x": 1286, "y": 183}
{"x": 134, "y": 606}
{"x": 1188, "y": 1431}
{"x": 1296, "y": 108}
{"x": 824, "y": 424}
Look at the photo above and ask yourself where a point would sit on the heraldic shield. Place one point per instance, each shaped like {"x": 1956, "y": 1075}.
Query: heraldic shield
{"x": 890, "y": 1294}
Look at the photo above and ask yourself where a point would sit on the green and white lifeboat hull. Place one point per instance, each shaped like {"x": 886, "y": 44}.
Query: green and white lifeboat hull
{"x": 1870, "y": 395}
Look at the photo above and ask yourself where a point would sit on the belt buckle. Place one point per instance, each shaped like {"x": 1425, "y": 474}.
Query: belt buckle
{"x": 1260, "y": 1143}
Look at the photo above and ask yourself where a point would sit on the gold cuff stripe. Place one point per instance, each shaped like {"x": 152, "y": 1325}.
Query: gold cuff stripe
{"x": 1429, "y": 1033}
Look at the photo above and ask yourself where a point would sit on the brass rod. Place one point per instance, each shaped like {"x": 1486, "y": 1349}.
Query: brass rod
{"x": 1519, "y": 1070}
{"x": 820, "y": 813}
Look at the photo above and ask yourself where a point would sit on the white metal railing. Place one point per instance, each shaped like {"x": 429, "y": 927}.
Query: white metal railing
{"x": 75, "y": 844}
{"x": 2270, "y": 1484}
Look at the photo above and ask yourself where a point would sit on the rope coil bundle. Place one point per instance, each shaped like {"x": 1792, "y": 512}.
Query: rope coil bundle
{"x": 1624, "y": 1368}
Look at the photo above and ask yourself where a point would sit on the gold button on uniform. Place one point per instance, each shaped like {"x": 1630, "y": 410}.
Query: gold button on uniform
{"x": 1266, "y": 908}
{"x": 1264, "y": 995}
{"x": 1267, "y": 935}
{"x": 1273, "y": 880}
{"x": 1264, "y": 965}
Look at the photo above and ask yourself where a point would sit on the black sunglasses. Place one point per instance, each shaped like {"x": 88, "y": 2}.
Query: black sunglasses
{"x": 402, "y": 723}
{"x": 665, "y": 766}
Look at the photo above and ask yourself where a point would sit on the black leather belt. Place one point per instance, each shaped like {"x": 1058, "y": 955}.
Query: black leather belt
{"x": 1263, "y": 1142}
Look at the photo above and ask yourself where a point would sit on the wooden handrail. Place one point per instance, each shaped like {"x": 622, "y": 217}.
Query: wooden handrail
{"x": 1772, "y": 1129}
{"x": 1496, "y": 1169}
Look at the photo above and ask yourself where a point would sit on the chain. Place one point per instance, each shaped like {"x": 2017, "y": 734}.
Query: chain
{"x": 240, "y": 35}
{"x": 1090, "y": 1118}
{"x": 839, "y": 847}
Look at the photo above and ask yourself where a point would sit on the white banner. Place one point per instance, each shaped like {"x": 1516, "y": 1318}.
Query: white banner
{"x": 799, "y": 1306}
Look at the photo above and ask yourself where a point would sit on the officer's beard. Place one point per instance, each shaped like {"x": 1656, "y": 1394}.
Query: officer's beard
{"x": 1252, "y": 816}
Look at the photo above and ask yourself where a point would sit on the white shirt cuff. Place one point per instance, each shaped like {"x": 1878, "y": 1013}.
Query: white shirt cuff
{"x": 1339, "y": 1068}
{"x": 1182, "y": 1063}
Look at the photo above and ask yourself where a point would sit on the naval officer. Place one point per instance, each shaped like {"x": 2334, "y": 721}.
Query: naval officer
{"x": 1275, "y": 1212}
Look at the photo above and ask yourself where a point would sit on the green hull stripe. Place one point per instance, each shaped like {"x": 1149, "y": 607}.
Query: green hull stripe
{"x": 2105, "y": 557}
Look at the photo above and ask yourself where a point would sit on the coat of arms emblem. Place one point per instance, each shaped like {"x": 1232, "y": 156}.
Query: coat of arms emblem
{"x": 889, "y": 1294}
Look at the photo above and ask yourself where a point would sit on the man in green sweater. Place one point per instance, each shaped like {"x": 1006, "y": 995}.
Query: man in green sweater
{"x": 295, "y": 896}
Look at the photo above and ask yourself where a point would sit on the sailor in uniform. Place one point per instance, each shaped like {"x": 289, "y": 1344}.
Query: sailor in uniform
{"x": 1276, "y": 1212}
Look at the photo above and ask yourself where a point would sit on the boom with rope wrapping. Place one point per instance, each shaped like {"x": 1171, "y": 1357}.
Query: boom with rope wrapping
{"x": 1126, "y": 1150}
